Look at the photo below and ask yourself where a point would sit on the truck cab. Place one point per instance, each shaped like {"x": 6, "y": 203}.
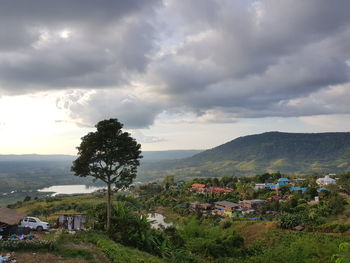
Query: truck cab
{"x": 34, "y": 223}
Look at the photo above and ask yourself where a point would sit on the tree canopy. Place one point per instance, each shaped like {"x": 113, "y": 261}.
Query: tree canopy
{"x": 109, "y": 155}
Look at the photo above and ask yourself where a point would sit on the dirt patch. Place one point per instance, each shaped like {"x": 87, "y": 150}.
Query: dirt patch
{"x": 252, "y": 231}
{"x": 169, "y": 215}
{"x": 46, "y": 257}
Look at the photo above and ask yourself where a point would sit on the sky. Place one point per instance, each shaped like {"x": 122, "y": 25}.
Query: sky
{"x": 178, "y": 74}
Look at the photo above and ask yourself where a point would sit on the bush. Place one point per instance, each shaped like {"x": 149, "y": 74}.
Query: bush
{"x": 209, "y": 240}
{"x": 344, "y": 253}
{"x": 296, "y": 247}
{"x": 333, "y": 228}
{"x": 226, "y": 224}
{"x": 117, "y": 253}
{"x": 14, "y": 245}
{"x": 288, "y": 221}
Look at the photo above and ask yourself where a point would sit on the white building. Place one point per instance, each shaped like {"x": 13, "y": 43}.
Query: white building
{"x": 325, "y": 181}
{"x": 259, "y": 186}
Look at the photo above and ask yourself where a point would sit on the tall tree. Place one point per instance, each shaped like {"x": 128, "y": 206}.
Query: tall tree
{"x": 245, "y": 190}
{"x": 169, "y": 181}
{"x": 344, "y": 182}
{"x": 109, "y": 155}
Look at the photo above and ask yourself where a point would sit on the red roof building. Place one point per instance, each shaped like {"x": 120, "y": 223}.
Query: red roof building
{"x": 273, "y": 198}
{"x": 219, "y": 190}
{"x": 198, "y": 187}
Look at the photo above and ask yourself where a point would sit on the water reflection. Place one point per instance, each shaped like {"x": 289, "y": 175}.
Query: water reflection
{"x": 70, "y": 189}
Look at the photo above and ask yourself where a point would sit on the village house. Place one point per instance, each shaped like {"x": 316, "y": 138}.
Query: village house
{"x": 272, "y": 186}
{"x": 226, "y": 208}
{"x": 202, "y": 206}
{"x": 322, "y": 189}
{"x": 283, "y": 181}
{"x": 259, "y": 186}
{"x": 297, "y": 188}
{"x": 327, "y": 180}
{"x": 314, "y": 202}
{"x": 9, "y": 220}
{"x": 273, "y": 198}
{"x": 198, "y": 188}
{"x": 275, "y": 186}
{"x": 226, "y": 205}
{"x": 71, "y": 221}
{"x": 251, "y": 204}
{"x": 219, "y": 190}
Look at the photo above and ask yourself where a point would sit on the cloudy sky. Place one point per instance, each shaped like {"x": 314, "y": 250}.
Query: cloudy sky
{"x": 188, "y": 74}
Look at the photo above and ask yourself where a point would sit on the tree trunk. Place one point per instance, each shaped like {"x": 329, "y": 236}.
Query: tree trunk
{"x": 109, "y": 208}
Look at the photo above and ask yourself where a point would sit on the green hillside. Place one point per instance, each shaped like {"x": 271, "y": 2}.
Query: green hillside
{"x": 271, "y": 151}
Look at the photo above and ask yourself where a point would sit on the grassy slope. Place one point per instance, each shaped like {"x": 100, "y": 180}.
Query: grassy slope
{"x": 263, "y": 241}
{"x": 85, "y": 247}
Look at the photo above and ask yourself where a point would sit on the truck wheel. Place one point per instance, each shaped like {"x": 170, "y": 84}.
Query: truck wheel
{"x": 39, "y": 228}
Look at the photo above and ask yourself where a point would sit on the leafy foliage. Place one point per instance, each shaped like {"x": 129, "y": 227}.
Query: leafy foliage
{"x": 109, "y": 155}
{"x": 344, "y": 253}
{"x": 13, "y": 245}
{"x": 211, "y": 241}
{"x": 294, "y": 248}
{"x": 288, "y": 221}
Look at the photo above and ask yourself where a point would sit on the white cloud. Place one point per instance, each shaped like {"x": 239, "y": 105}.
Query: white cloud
{"x": 328, "y": 123}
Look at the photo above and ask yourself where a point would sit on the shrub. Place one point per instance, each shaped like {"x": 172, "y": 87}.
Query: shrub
{"x": 344, "y": 253}
{"x": 226, "y": 224}
{"x": 119, "y": 254}
{"x": 296, "y": 247}
{"x": 14, "y": 245}
{"x": 288, "y": 221}
{"x": 334, "y": 228}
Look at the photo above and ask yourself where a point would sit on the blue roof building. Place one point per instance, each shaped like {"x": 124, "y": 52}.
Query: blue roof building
{"x": 284, "y": 180}
{"x": 281, "y": 184}
{"x": 297, "y": 188}
{"x": 271, "y": 186}
{"x": 322, "y": 189}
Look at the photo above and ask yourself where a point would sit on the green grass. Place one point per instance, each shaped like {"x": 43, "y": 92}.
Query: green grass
{"x": 116, "y": 252}
{"x": 294, "y": 247}
{"x": 246, "y": 166}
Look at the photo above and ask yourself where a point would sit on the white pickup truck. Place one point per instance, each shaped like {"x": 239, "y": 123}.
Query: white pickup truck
{"x": 34, "y": 223}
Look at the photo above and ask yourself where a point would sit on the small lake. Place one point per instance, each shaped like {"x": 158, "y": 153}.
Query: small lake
{"x": 70, "y": 189}
{"x": 158, "y": 221}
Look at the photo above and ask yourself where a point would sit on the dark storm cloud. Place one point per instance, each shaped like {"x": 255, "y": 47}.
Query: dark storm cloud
{"x": 250, "y": 60}
{"x": 80, "y": 43}
{"x": 218, "y": 59}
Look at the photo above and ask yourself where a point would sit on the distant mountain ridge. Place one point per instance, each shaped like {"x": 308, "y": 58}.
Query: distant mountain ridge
{"x": 270, "y": 151}
{"x": 34, "y": 171}
{"x": 249, "y": 155}
{"x": 154, "y": 156}
{"x": 35, "y": 157}
{"x": 148, "y": 156}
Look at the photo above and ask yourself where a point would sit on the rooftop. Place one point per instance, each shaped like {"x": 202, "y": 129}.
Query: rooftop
{"x": 283, "y": 180}
{"x": 226, "y": 203}
{"x": 10, "y": 216}
{"x": 198, "y": 185}
{"x": 253, "y": 201}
